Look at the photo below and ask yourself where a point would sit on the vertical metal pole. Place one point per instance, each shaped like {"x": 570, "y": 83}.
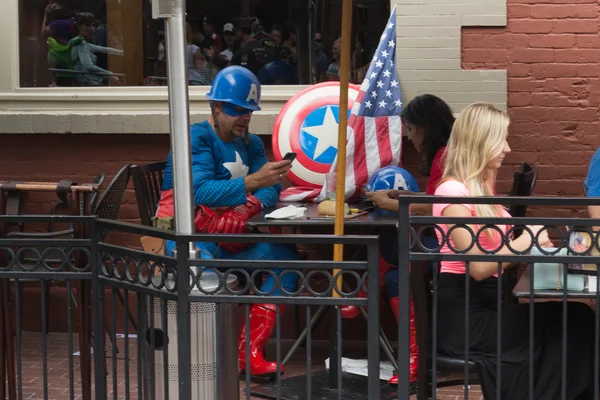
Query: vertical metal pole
{"x": 182, "y": 181}
{"x": 179, "y": 116}
{"x": 403, "y": 298}
{"x": 338, "y": 248}
{"x": 373, "y": 322}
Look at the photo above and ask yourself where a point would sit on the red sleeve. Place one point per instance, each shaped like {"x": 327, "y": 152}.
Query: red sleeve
{"x": 437, "y": 169}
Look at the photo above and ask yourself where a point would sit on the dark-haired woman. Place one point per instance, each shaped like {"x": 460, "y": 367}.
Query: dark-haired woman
{"x": 428, "y": 121}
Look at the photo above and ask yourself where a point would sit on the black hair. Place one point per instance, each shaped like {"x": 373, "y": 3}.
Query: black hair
{"x": 435, "y": 117}
{"x": 85, "y": 18}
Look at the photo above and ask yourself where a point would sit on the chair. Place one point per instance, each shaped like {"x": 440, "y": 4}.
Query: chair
{"x": 107, "y": 207}
{"x": 147, "y": 182}
{"x": 422, "y": 291}
{"x": 523, "y": 184}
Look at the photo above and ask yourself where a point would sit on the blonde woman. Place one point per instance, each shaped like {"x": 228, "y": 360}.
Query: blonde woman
{"x": 475, "y": 152}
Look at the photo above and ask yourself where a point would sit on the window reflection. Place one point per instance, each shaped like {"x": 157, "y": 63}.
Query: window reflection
{"x": 96, "y": 43}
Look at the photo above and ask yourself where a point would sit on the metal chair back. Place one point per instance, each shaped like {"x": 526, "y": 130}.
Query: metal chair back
{"x": 147, "y": 182}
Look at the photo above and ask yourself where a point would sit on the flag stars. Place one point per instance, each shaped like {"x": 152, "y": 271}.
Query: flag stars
{"x": 382, "y": 104}
{"x": 384, "y": 54}
{"x": 368, "y": 104}
{"x": 379, "y": 64}
{"x": 388, "y": 93}
{"x": 398, "y": 103}
{"x": 373, "y": 75}
{"x": 373, "y": 94}
{"x": 394, "y": 83}
{"x": 391, "y": 44}
{"x": 390, "y": 25}
{"x": 379, "y": 84}
{"x": 387, "y": 74}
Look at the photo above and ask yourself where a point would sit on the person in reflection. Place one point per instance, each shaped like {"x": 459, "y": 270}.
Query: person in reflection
{"x": 475, "y": 152}
{"x": 84, "y": 55}
{"x": 427, "y": 121}
{"x": 233, "y": 181}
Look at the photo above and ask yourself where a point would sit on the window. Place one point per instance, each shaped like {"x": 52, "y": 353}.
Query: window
{"x": 95, "y": 43}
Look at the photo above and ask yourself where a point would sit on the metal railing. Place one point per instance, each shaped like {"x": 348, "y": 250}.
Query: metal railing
{"x": 514, "y": 349}
{"x": 185, "y": 319}
{"x": 140, "y": 325}
{"x": 43, "y": 264}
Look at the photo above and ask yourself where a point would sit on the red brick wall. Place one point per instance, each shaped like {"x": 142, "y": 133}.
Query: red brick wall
{"x": 551, "y": 50}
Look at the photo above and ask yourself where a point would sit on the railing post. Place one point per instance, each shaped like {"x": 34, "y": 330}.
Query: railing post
{"x": 184, "y": 341}
{"x": 98, "y": 313}
{"x": 373, "y": 322}
{"x": 404, "y": 298}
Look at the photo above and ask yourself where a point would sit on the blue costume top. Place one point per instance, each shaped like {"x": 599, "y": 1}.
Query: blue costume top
{"x": 592, "y": 181}
{"x": 219, "y": 168}
{"x": 218, "y": 171}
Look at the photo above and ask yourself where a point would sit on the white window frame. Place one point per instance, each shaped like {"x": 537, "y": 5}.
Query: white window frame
{"x": 135, "y": 100}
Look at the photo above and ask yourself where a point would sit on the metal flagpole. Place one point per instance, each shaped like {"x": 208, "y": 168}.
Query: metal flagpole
{"x": 340, "y": 189}
{"x": 335, "y": 380}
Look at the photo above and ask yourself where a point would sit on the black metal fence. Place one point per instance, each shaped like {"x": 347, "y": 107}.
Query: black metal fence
{"x": 521, "y": 339}
{"x": 148, "y": 328}
{"x": 28, "y": 362}
{"x": 141, "y": 326}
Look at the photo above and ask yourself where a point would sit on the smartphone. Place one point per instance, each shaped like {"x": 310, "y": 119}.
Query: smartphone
{"x": 290, "y": 156}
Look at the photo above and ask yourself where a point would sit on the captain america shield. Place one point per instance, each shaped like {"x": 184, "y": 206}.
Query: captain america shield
{"x": 308, "y": 126}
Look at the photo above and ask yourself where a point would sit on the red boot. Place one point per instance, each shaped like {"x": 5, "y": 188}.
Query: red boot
{"x": 262, "y": 322}
{"x": 414, "y": 348}
{"x": 350, "y": 312}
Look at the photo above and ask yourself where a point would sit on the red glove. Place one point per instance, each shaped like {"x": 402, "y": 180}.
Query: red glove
{"x": 229, "y": 220}
{"x": 234, "y": 221}
{"x": 235, "y": 217}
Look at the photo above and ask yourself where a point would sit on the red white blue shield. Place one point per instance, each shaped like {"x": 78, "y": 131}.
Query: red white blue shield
{"x": 308, "y": 126}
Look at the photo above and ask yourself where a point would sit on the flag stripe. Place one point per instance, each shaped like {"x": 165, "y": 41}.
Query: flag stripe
{"x": 372, "y": 144}
{"x": 395, "y": 124}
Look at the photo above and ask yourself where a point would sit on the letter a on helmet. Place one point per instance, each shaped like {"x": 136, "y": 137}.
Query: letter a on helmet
{"x": 236, "y": 85}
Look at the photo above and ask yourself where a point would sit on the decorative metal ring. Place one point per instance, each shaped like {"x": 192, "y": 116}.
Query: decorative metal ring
{"x": 351, "y": 294}
{"x": 588, "y": 248}
{"x": 449, "y": 233}
{"x": 291, "y": 271}
{"x": 270, "y": 272}
{"x": 421, "y": 243}
{"x": 494, "y": 228}
{"x": 84, "y": 251}
{"x": 28, "y": 267}
{"x": 243, "y": 290}
{"x": 63, "y": 258}
{"x": 329, "y": 279}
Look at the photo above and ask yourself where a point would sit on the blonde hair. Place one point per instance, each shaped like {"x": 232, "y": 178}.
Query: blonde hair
{"x": 477, "y": 137}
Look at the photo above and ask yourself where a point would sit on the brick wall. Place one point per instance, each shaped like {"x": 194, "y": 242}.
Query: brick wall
{"x": 550, "y": 49}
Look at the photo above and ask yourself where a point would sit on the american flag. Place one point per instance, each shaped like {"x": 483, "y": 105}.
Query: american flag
{"x": 374, "y": 135}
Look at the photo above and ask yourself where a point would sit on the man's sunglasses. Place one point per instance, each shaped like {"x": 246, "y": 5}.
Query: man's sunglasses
{"x": 235, "y": 111}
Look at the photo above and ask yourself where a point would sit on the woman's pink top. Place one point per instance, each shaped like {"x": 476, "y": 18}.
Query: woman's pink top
{"x": 454, "y": 188}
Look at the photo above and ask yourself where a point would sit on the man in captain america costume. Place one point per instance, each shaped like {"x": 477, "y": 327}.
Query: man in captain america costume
{"x": 232, "y": 182}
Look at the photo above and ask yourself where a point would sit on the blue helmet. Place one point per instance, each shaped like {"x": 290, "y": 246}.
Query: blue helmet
{"x": 236, "y": 85}
{"x": 393, "y": 178}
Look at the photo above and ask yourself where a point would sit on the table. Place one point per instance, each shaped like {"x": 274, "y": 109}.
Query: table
{"x": 373, "y": 219}
{"x": 522, "y": 290}
{"x": 312, "y": 222}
